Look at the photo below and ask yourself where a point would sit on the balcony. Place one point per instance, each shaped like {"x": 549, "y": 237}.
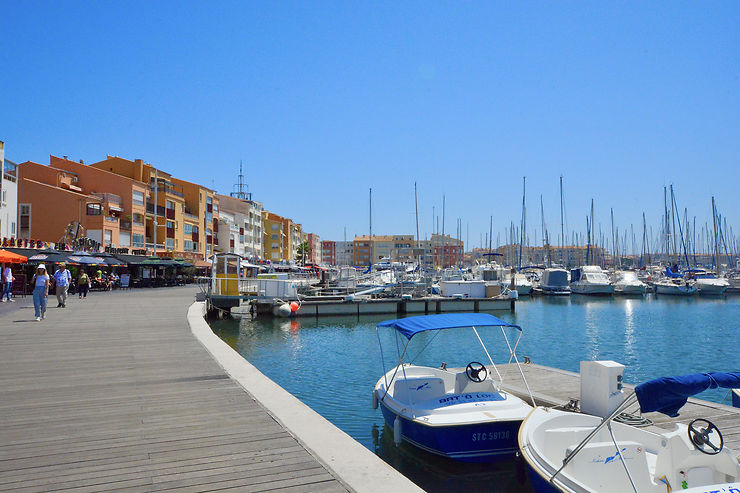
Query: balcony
{"x": 125, "y": 225}
{"x": 150, "y": 209}
{"x": 191, "y": 216}
{"x": 170, "y": 213}
{"x": 170, "y": 188}
{"x": 111, "y": 219}
{"x": 111, "y": 201}
{"x": 170, "y": 232}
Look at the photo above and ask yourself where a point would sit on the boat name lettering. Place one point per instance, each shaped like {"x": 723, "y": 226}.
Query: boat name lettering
{"x": 461, "y": 398}
{"x": 723, "y": 490}
{"x": 493, "y": 435}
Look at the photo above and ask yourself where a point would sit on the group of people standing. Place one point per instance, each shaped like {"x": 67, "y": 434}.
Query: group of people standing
{"x": 61, "y": 279}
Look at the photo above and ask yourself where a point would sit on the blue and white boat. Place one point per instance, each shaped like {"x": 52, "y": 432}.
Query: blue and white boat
{"x": 459, "y": 413}
{"x": 573, "y": 452}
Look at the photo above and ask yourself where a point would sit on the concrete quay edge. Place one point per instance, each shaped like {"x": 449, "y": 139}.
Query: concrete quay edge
{"x": 352, "y": 464}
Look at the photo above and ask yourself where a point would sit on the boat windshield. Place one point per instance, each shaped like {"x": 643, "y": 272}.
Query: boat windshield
{"x": 628, "y": 276}
{"x": 595, "y": 277}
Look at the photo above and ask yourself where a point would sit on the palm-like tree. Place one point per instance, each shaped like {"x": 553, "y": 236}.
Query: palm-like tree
{"x": 304, "y": 250}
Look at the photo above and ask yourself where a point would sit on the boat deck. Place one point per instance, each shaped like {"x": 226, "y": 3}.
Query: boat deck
{"x": 554, "y": 387}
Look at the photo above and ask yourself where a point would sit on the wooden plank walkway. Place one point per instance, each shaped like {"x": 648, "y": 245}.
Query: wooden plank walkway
{"x": 554, "y": 387}
{"x": 114, "y": 393}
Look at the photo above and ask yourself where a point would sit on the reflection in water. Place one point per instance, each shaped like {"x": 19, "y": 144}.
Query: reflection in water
{"x": 438, "y": 474}
{"x": 629, "y": 330}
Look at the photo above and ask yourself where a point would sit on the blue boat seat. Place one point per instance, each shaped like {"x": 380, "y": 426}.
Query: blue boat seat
{"x": 418, "y": 389}
{"x": 463, "y": 385}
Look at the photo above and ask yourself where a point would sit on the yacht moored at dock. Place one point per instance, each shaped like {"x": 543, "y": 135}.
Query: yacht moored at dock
{"x": 627, "y": 283}
{"x": 554, "y": 282}
{"x": 590, "y": 279}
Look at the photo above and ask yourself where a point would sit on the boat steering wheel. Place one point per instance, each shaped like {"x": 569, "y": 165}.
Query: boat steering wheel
{"x": 701, "y": 437}
{"x": 474, "y": 370}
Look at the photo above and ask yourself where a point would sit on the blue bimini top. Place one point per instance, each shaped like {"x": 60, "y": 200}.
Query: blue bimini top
{"x": 668, "y": 394}
{"x": 411, "y": 326}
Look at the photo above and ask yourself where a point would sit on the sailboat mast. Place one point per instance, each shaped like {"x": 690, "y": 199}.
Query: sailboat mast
{"x": 416, "y": 207}
{"x": 444, "y": 240}
{"x": 371, "y": 230}
{"x": 524, "y": 222}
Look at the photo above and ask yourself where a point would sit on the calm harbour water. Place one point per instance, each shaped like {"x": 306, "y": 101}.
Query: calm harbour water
{"x": 332, "y": 363}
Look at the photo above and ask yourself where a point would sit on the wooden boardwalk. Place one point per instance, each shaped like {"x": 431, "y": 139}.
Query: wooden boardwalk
{"x": 114, "y": 393}
{"x": 554, "y": 387}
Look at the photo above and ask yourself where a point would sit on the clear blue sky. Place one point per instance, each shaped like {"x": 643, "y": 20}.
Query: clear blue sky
{"x": 323, "y": 100}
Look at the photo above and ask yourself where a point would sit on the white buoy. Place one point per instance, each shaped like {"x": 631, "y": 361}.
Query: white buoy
{"x": 397, "y": 431}
{"x": 375, "y": 400}
{"x": 282, "y": 310}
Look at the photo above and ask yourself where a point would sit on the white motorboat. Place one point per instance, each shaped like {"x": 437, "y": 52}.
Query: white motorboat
{"x": 554, "y": 282}
{"x": 573, "y": 452}
{"x": 590, "y": 279}
{"x": 522, "y": 285}
{"x": 460, "y": 413}
{"x": 627, "y": 283}
{"x": 708, "y": 284}
{"x": 675, "y": 284}
{"x": 675, "y": 287}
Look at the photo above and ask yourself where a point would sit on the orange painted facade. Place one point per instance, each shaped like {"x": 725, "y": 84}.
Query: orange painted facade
{"x": 51, "y": 204}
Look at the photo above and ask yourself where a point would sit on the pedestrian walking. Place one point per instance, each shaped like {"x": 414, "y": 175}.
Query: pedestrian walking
{"x": 83, "y": 284}
{"x": 7, "y": 282}
{"x": 40, "y": 283}
{"x": 62, "y": 278}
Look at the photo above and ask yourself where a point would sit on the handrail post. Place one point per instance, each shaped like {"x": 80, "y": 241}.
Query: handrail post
{"x": 627, "y": 402}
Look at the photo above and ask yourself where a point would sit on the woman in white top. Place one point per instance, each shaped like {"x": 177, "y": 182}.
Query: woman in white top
{"x": 40, "y": 291}
{"x": 7, "y": 280}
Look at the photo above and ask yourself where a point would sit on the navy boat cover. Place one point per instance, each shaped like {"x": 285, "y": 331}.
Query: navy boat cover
{"x": 411, "y": 326}
{"x": 668, "y": 394}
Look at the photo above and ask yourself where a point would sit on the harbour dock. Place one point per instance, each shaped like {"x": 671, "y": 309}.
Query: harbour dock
{"x": 555, "y": 387}
{"x": 115, "y": 393}
{"x": 416, "y": 306}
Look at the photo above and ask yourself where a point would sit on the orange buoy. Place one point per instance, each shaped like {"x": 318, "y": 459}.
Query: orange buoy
{"x": 294, "y": 306}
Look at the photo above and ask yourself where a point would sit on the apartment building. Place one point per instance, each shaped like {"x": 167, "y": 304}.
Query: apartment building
{"x": 345, "y": 252}
{"x": 329, "y": 252}
{"x": 393, "y": 248}
{"x": 442, "y": 251}
{"x": 292, "y": 239}
{"x": 67, "y": 200}
{"x": 123, "y": 203}
{"x": 181, "y": 217}
{"x": 314, "y": 245}
{"x": 568, "y": 256}
{"x": 202, "y": 210}
{"x": 273, "y": 233}
{"x": 337, "y": 252}
{"x": 8, "y": 196}
{"x": 240, "y": 226}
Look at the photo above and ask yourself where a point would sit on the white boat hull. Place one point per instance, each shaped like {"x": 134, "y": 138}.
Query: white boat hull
{"x": 675, "y": 289}
{"x": 658, "y": 461}
{"x": 630, "y": 289}
{"x": 712, "y": 287}
{"x": 591, "y": 288}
